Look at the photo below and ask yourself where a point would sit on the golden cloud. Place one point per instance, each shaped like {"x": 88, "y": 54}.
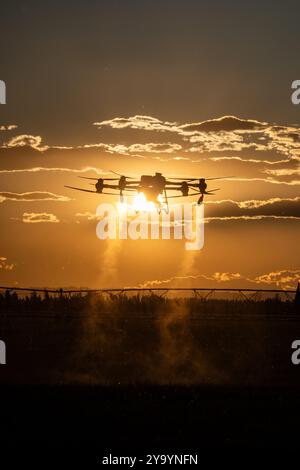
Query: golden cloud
{"x": 39, "y": 217}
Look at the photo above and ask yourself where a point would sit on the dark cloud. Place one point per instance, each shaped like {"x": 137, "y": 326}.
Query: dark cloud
{"x": 149, "y": 123}
{"x": 277, "y": 207}
{"x": 225, "y": 123}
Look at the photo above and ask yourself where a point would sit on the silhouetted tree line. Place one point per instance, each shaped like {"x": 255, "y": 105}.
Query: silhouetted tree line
{"x": 138, "y": 304}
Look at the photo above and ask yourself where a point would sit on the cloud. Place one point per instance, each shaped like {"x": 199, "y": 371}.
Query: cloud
{"x": 256, "y": 203}
{"x": 283, "y": 172}
{"x": 24, "y": 140}
{"x": 87, "y": 215}
{"x": 155, "y": 148}
{"x": 279, "y": 278}
{"x": 285, "y": 279}
{"x": 229, "y": 211}
{"x": 149, "y": 123}
{"x": 274, "y": 206}
{"x": 55, "y": 169}
{"x": 250, "y": 218}
{"x": 217, "y": 276}
{"x": 264, "y": 180}
{"x": 239, "y": 134}
{"x": 8, "y": 127}
{"x": 225, "y": 123}
{"x": 253, "y": 160}
{"x": 146, "y": 123}
{"x": 223, "y": 277}
{"x": 223, "y": 134}
{"x": 4, "y": 265}
{"x": 226, "y": 133}
{"x": 222, "y": 141}
{"x": 39, "y": 217}
{"x": 150, "y": 147}
{"x": 33, "y": 196}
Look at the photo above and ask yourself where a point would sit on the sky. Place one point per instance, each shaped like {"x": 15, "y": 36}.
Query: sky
{"x": 187, "y": 88}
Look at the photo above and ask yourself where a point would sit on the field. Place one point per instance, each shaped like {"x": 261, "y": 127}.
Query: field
{"x": 149, "y": 339}
{"x": 149, "y": 371}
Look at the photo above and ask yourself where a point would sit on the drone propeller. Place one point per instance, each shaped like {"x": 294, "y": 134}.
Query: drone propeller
{"x": 206, "y": 179}
{"x": 196, "y": 185}
{"x": 209, "y": 193}
{"x": 189, "y": 195}
{"x": 211, "y": 190}
{"x": 97, "y": 179}
{"x": 183, "y": 179}
{"x": 127, "y": 177}
{"x": 81, "y": 189}
{"x": 219, "y": 178}
{"x": 96, "y": 192}
{"x": 117, "y": 188}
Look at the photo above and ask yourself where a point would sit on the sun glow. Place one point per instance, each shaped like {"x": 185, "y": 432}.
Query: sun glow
{"x": 138, "y": 204}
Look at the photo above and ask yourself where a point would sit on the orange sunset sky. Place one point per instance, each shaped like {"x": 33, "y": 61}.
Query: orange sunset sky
{"x": 139, "y": 89}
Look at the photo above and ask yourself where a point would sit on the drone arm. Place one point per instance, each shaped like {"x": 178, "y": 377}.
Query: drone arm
{"x": 172, "y": 188}
{"x": 179, "y": 183}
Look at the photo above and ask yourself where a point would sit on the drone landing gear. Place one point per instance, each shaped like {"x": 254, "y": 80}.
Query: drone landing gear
{"x": 166, "y": 203}
{"x": 200, "y": 200}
